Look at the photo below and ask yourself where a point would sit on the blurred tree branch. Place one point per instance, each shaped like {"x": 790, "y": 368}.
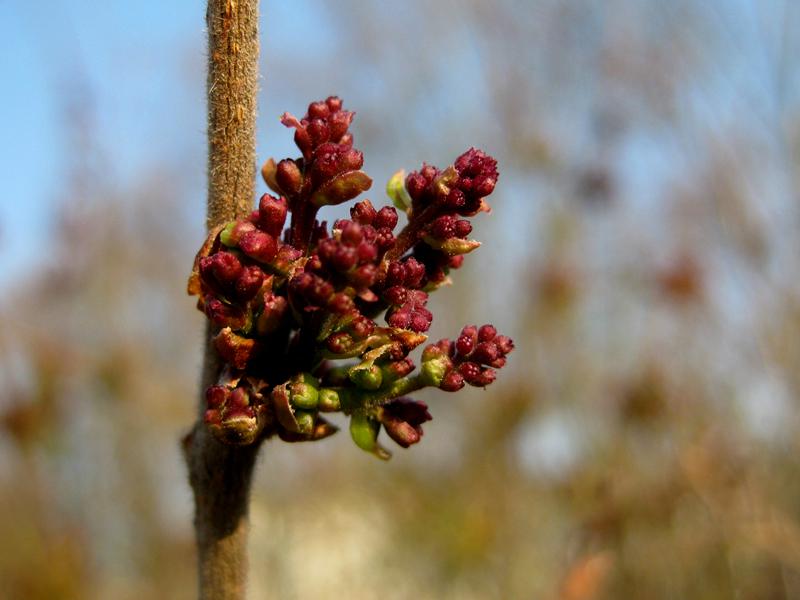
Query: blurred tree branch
{"x": 220, "y": 475}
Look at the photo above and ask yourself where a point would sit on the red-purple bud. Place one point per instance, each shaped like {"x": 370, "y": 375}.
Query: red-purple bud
{"x": 234, "y": 349}
{"x": 362, "y": 327}
{"x": 271, "y": 318}
{"x": 455, "y": 200}
{"x": 224, "y": 315}
{"x": 318, "y": 110}
{"x": 403, "y": 418}
{"x": 416, "y": 184}
{"x": 340, "y": 303}
{"x": 486, "y": 333}
{"x": 485, "y": 353}
{"x": 339, "y": 343}
{"x": 384, "y": 238}
{"x": 288, "y": 176}
{"x": 318, "y": 132}
{"x": 352, "y": 233}
{"x": 238, "y": 399}
{"x": 414, "y": 273}
{"x": 400, "y": 318}
{"x": 223, "y": 267}
{"x": 396, "y": 295}
{"x": 394, "y": 370}
{"x": 466, "y": 341}
{"x": 452, "y": 382}
{"x": 455, "y": 262}
{"x": 249, "y": 282}
{"x": 477, "y": 172}
{"x": 443, "y": 227}
{"x": 421, "y": 320}
{"x": 364, "y": 276}
{"x": 386, "y": 217}
{"x": 395, "y": 274}
{"x": 470, "y": 371}
{"x": 504, "y": 344}
{"x": 259, "y": 245}
{"x": 272, "y": 214}
{"x": 216, "y": 396}
{"x": 334, "y": 103}
{"x": 344, "y": 258}
{"x": 463, "y": 228}
{"x": 367, "y": 252}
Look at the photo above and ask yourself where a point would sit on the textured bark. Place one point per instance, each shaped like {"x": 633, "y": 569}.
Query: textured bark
{"x": 220, "y": 475}
{"x": 232, "y": 87}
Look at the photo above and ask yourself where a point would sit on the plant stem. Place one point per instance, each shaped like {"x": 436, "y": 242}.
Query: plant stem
{"x": 220, "y": 475}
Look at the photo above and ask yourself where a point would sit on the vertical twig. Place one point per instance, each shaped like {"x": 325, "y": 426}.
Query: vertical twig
{"x": 220, "y": 475}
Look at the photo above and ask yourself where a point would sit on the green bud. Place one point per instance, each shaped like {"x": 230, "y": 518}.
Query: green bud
{"x": 364, "y": 432}
{"x": 226, "y": 235}
{"x": 329, "y": 400}
{"x": 341, "y": 188}
{"x": 396, "y": 190}
{"x": 305, "y": 391}
{"x": 305, "y": 421}
{"x": 452, "y": 246}
{"x": 367, "y": 378}
{"x": 434, "y": 370}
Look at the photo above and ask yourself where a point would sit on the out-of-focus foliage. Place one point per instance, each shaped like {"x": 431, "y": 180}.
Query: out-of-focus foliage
{"x": 643, "y": 443}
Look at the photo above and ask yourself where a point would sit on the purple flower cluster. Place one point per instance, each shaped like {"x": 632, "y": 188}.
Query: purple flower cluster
{"x": 297, "y": 310}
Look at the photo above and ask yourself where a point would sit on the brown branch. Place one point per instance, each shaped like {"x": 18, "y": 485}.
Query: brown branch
{"x": 220, "y": 475}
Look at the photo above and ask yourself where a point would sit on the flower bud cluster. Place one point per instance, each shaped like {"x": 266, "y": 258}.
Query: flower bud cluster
{"x": 308, "y": 319}
{"x": 472, "y": 359}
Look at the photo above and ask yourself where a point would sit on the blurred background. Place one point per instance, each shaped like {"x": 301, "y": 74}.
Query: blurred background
{"x": 643, "y": 253}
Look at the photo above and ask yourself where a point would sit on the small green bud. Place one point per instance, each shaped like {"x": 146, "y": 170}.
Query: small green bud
{"x": 305, "y": 392}
{"x": 226, "y": 235}
{"x": 364, "y": 431}
{"x": 369, "y": 378}
{"x": 396, "y": 190}
{"x": 329, "y": 400}
{"x": 452, "y": 246}
{"x": 341, "y": 188}
{"x": 434, "y": 370}
{"x": 305, "y": 421}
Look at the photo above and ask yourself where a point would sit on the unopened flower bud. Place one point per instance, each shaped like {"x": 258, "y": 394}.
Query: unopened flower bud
{"x": 305, "y": 421}
{"x": 271, "y": 317}
{"x": 392, "y": 371}
{"x": 224, "y": 315}
{"x": 329, "y": 400}
{"x": 452, "y": 382}
{"x": 364, "y": 431}
{"x": 258, "y": 245}
{"x": 403, "y": 418}
{"x": 363, "y": 212}
{"x": 352, "y": 233}
{"x": 272, "y": 214}
{"x": 233, "y": 232}
{"x": 364, "y": 276}
{"x": 433, "y": 371}
{"x": 318, "y": 110}
{"x": 486, "y": 333}
{"x": 249, "y": 282}
{"x": 504, "y": 343}
{"x": 369, "y": 378}
{"x": 216, "y": 396}
{"x": 234, "y": 349}
{"x": 386, "y": 217}
{"x": 304, "y": 391}
{"x": 223, "y": 268}
{"x": 467, "y": 340}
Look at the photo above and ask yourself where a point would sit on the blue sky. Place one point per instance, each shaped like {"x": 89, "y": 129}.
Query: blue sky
{"x": 141, "y": 67}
